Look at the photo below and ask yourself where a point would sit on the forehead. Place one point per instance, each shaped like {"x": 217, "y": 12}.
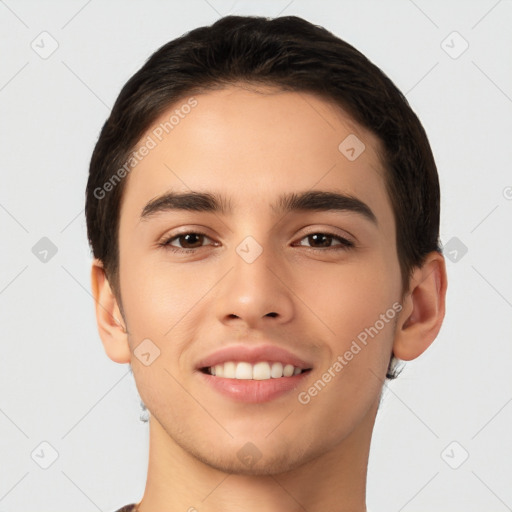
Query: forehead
{"x": 253, "y": 142}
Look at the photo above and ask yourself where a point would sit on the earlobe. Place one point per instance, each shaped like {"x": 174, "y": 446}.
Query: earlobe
{"x": 423, "y": 309}
{"x": 111, "y": 326}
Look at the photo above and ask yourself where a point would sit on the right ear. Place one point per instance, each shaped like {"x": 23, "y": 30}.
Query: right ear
{"x": 108, "y": 316}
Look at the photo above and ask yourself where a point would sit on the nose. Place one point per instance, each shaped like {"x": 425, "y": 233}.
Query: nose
{"x": 257, "y": 290}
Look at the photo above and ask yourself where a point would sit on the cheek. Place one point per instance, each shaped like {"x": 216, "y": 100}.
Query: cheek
{"x": 359, "y": 305}
{"x": 360, "y": 310}
{"x": 159, "y": 303}
{"x": 154, "y": 297}
{"x": 348, "y": 298}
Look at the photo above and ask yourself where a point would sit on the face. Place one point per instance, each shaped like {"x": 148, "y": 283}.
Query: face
{"x": 254, "y": 286}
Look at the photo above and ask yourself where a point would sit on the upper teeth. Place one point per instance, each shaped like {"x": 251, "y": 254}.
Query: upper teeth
{"x": 258, "y": 371}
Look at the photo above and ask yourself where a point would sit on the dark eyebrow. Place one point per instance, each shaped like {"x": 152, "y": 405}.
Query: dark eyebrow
{"x": 312, "y": 200}
{"x": 319, "y": 200}
{"x": 190, "y": 201}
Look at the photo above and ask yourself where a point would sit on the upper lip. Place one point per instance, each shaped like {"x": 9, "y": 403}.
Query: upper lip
{"x": 243, "y": 353}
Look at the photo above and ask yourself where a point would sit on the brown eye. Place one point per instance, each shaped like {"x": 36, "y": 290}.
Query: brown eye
{"x": 325, "y": 241}
{"x": 185, "y": 241}
{"x": 191, "y": 240}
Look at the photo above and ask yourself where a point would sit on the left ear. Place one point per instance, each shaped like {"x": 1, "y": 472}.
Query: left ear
{"x": 423, "y": 309}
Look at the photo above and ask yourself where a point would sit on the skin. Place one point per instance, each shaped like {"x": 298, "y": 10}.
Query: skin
{"x": 253, "y": 145}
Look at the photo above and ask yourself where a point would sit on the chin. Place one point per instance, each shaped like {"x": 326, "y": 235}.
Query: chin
{"x": 260, "y": 465}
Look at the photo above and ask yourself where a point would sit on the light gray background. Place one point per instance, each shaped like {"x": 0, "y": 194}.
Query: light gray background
{"x": 56, "y": 383}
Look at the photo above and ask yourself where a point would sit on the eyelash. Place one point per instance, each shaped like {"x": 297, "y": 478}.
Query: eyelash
{"x": 344, "y": 243}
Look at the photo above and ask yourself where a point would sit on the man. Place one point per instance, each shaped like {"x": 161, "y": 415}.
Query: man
{"x": 263, "y": 209}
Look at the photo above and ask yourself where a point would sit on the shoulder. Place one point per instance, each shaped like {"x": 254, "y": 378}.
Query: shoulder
{"x": 127, "y": 508}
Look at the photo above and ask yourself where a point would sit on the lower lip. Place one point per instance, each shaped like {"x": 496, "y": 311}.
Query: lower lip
{"x": 254, "y": 391}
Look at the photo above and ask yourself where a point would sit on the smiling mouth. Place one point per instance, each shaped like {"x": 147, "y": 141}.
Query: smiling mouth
{"x": 259, "y": 371}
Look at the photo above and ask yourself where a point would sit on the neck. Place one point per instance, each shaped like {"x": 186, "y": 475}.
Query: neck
{"x": 334, "y": 481}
